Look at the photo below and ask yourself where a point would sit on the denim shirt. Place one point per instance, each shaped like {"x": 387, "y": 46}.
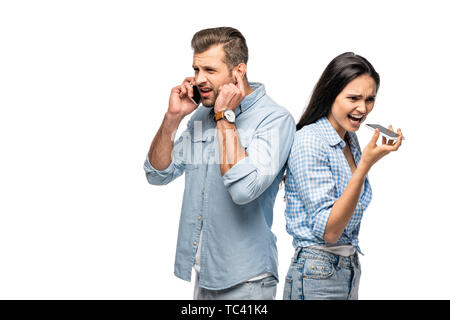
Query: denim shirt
{"x": 235, "y": 211}
{"x": 317, "y": 175}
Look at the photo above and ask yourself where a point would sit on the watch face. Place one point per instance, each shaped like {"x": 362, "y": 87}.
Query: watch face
{"x": 229, "y": 115}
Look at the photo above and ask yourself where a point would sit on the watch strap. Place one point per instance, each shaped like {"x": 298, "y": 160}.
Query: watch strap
{"x": 219, "y": 115}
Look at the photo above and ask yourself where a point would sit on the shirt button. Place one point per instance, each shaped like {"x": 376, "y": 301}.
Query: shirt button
{"x": 195, "y": 243}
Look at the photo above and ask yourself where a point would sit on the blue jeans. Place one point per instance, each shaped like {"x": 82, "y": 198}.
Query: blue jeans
{"x": 319, "y": 275}
{"x": 264, "y": 289}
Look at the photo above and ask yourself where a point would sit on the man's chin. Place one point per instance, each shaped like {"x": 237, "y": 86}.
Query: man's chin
{"x": 208, "y": 103}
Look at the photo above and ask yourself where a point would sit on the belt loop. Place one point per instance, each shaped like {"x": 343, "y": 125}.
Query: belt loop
{"x": 355, "y": 259}
{"x": 297, "y": 253}
{"x": 338, "y": 262}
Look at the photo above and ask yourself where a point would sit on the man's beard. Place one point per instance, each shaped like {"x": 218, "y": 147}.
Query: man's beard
{"x": 209, "y": 103}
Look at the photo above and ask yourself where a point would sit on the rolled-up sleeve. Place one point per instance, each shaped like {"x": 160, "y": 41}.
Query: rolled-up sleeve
{"x": 176, "y": 167}
{"x": 267, "y": 153}
{"x": 308, "y": 162}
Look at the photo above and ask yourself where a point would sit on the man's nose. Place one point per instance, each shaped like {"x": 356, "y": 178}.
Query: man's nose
{"x": 200, "y": 78}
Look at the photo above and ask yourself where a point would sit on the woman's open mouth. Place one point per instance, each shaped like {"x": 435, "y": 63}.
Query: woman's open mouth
{"x": 355, "y": 120}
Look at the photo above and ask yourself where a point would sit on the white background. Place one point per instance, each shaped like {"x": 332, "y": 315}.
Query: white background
{"x": 83, "y": 89}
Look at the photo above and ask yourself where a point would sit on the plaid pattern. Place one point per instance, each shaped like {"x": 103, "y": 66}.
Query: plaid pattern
{"x": 317, "y": 175}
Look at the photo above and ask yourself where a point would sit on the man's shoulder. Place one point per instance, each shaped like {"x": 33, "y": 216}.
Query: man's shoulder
{"x": 267, "y": 109}
{"x": 271, "y": 106}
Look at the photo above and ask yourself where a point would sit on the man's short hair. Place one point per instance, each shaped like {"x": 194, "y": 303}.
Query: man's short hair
{"x": 233, "y": 42}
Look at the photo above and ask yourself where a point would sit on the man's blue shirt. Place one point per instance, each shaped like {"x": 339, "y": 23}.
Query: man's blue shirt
{"x": 235, "y": 211}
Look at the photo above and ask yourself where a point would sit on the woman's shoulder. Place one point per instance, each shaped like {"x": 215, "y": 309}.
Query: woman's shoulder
{"x": 309, "y": 142}
{"x": 310, "y": 135}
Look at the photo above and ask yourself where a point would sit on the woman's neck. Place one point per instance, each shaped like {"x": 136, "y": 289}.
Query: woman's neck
{"x": 340, "y": 131}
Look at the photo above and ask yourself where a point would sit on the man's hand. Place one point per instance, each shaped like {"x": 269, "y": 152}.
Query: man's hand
{"x": 180, "y": 103}
{"x": 230, "y": 95}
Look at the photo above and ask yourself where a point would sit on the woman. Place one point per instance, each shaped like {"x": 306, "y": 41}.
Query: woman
{"x": 327, "y": 189}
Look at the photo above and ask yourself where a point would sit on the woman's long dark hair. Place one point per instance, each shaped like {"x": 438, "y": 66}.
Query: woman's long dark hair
{"x": 339, "y": 72}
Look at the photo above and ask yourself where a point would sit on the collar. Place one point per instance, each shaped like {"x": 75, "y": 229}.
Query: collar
{"x": 330, "y": 133}
{"x": 352, "y": 140}
{"x": 258, "y": 92}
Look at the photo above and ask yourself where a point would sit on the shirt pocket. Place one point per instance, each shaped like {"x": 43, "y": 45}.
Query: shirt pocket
{"x": 203, "y": 150}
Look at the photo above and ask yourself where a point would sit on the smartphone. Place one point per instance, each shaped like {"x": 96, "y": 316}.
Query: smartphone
{"x": 196, "y": 98}
{"x": 385, "y": 132}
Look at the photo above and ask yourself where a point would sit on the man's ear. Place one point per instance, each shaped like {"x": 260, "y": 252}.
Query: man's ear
{"x": 240, "y": 70}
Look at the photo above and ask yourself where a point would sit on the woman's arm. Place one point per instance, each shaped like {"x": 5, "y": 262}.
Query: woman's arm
{"x": 344, "y": 207}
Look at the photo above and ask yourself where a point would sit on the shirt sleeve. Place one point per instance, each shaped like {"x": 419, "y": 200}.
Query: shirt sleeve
{"x": 267, "y": 152}
{"x": 176, "y": 167}
{"x": 313, "y": 177}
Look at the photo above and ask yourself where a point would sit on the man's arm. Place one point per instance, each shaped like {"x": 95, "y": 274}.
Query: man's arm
{"x": 230, "y": 97}
{"x": 248, "y": 175}
{"x": 160, "y": 153}
{"x": 158, "y": 167}
{"x": 267, "y": 153}
{"x": 231, "y": 150}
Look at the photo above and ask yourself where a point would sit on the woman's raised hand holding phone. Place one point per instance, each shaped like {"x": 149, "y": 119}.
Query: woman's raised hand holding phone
{"x": 373, "y": 152}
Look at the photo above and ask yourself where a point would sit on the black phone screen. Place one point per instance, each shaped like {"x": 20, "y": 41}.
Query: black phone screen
{"x": 196, "y": 96}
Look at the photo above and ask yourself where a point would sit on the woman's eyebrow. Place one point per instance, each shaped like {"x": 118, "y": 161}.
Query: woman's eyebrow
{"x": 357, "y": 95}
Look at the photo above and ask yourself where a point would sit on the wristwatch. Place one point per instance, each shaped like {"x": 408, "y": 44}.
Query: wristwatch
{"x": 226, "y": 114}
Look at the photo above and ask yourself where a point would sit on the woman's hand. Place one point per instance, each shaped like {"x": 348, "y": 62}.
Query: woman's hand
{"x": 373, "y": 152}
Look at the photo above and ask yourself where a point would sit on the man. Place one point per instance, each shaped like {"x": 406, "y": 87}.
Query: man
{"x": 233, "y": 152}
